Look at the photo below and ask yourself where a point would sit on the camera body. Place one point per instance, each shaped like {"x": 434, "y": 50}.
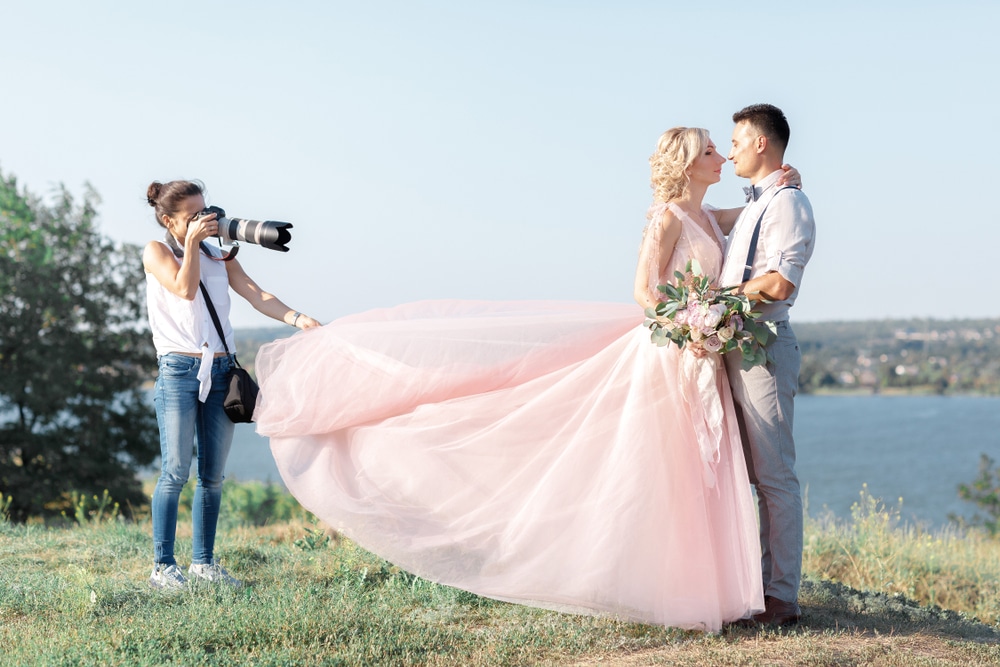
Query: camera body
{"x": 269, "y": 234}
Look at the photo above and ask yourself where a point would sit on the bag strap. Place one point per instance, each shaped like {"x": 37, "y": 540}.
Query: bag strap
{"x": 178, "y": 252}
{"x": 748, "y": 266}
{"x": 215, "y": 321}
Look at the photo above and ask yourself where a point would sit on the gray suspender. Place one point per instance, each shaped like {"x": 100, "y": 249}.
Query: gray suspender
{"x": 756, "y": 234}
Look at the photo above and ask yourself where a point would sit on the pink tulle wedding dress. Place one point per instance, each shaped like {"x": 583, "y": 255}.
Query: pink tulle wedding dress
{"x": 543, "y": 453}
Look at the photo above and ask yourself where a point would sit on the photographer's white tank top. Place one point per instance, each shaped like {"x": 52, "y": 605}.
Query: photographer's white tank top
{"x": 179, "y": 325}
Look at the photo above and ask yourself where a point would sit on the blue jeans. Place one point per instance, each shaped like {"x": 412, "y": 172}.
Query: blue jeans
{"x": 181, "y": 416}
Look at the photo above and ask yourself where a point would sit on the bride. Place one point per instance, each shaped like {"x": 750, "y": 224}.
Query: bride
{"x": 542, "y": 453}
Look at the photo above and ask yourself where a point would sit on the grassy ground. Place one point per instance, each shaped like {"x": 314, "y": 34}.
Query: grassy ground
{"x": 77, "y": 596}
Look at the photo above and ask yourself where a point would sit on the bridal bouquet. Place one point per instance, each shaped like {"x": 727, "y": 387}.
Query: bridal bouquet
{"x": 715, "y": 319}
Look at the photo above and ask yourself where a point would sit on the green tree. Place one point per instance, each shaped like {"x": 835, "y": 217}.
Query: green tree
{"x": 984, "y": 491}
{"x": 74, "y": 352}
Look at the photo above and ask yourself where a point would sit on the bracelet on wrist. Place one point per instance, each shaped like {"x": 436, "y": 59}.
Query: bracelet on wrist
{"x": 295, "y": 318}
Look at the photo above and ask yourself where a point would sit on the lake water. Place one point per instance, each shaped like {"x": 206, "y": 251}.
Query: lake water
{"x": 918, "y": 448}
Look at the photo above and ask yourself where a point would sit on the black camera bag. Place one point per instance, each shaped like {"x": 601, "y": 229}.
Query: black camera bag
{"x": 241, "y": 394}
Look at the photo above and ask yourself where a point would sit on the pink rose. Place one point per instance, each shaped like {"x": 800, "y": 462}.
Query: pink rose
{"x": 696, "y": 317}
{"x": 736, "y": 322}
{"x": 712, "y": 343}
{"x": 714, "y": 315}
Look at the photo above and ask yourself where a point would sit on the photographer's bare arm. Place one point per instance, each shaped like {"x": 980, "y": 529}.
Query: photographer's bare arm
{"x": 265, "y": 302}
{"x": 191, "y": 228}
{"x": 159, "y": 260}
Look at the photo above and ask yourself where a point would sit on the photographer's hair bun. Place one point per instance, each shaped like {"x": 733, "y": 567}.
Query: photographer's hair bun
{"x": 153, "y": 192}
{"x": 167, "y": 198}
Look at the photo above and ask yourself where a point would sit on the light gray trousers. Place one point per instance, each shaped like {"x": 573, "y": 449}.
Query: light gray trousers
{"x": 764, "y": 397}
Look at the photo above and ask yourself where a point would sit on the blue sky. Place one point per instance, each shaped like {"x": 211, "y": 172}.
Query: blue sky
{"x": 499, "y": 151}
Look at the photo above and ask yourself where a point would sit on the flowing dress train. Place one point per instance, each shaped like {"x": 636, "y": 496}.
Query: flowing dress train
{"x": 543, "y": 453}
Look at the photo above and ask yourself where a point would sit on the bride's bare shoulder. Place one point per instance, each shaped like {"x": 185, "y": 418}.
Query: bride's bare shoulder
{"x": 669, "y": 222}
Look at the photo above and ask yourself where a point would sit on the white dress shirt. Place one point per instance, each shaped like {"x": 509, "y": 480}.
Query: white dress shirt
{"x": 785, "y": 244}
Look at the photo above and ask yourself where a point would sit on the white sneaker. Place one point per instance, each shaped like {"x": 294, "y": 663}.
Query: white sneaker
{"x": 214, "y": 573}
{"x": 167, "y": 576}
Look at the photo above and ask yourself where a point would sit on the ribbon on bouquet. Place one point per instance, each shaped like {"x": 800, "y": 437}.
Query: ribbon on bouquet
{"x": 705, "y": 404}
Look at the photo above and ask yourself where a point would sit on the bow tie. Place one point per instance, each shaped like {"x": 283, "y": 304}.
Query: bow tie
{"x": 751, "y": 193}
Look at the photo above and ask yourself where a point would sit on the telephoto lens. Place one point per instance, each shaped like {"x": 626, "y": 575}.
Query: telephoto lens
{"x": 269, "y": 234}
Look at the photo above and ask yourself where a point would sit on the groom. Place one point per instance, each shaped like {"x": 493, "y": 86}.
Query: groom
{"x": 770, "y": 269}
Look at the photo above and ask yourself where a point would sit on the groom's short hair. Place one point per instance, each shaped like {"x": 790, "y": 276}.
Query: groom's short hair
{"x": 769, "y": 120}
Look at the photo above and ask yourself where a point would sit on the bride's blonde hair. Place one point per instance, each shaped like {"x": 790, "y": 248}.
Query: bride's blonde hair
{"x": 675, "y": 151}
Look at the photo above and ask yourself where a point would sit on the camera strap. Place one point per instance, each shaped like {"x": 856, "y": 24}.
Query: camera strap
{"x": 179, "y": 252}
{"x": 217, "y": 323}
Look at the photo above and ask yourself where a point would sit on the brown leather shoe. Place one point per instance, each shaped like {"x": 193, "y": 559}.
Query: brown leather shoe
{"x": 778, "y": 612}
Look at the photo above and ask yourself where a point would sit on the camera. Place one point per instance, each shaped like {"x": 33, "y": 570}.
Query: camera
{"x": 266, "y": 233}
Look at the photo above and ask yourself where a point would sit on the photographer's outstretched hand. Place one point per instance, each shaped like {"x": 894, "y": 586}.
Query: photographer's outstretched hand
{"x": 301, "y": 321}
{"x": 306, "y": 322}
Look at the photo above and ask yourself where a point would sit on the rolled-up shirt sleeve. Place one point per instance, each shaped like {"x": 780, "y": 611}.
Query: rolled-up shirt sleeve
{"x": 787, "y": 233}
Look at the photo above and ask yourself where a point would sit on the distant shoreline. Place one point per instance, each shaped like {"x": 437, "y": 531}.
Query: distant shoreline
{"x": 897, "y": 392}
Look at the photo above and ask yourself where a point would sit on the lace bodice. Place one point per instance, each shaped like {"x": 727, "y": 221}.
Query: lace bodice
{"x": 693, "y": 242}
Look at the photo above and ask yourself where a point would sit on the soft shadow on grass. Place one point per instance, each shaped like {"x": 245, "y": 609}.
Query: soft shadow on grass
{"x": 840, "y": 626}
{"x": 830, "y": 605}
